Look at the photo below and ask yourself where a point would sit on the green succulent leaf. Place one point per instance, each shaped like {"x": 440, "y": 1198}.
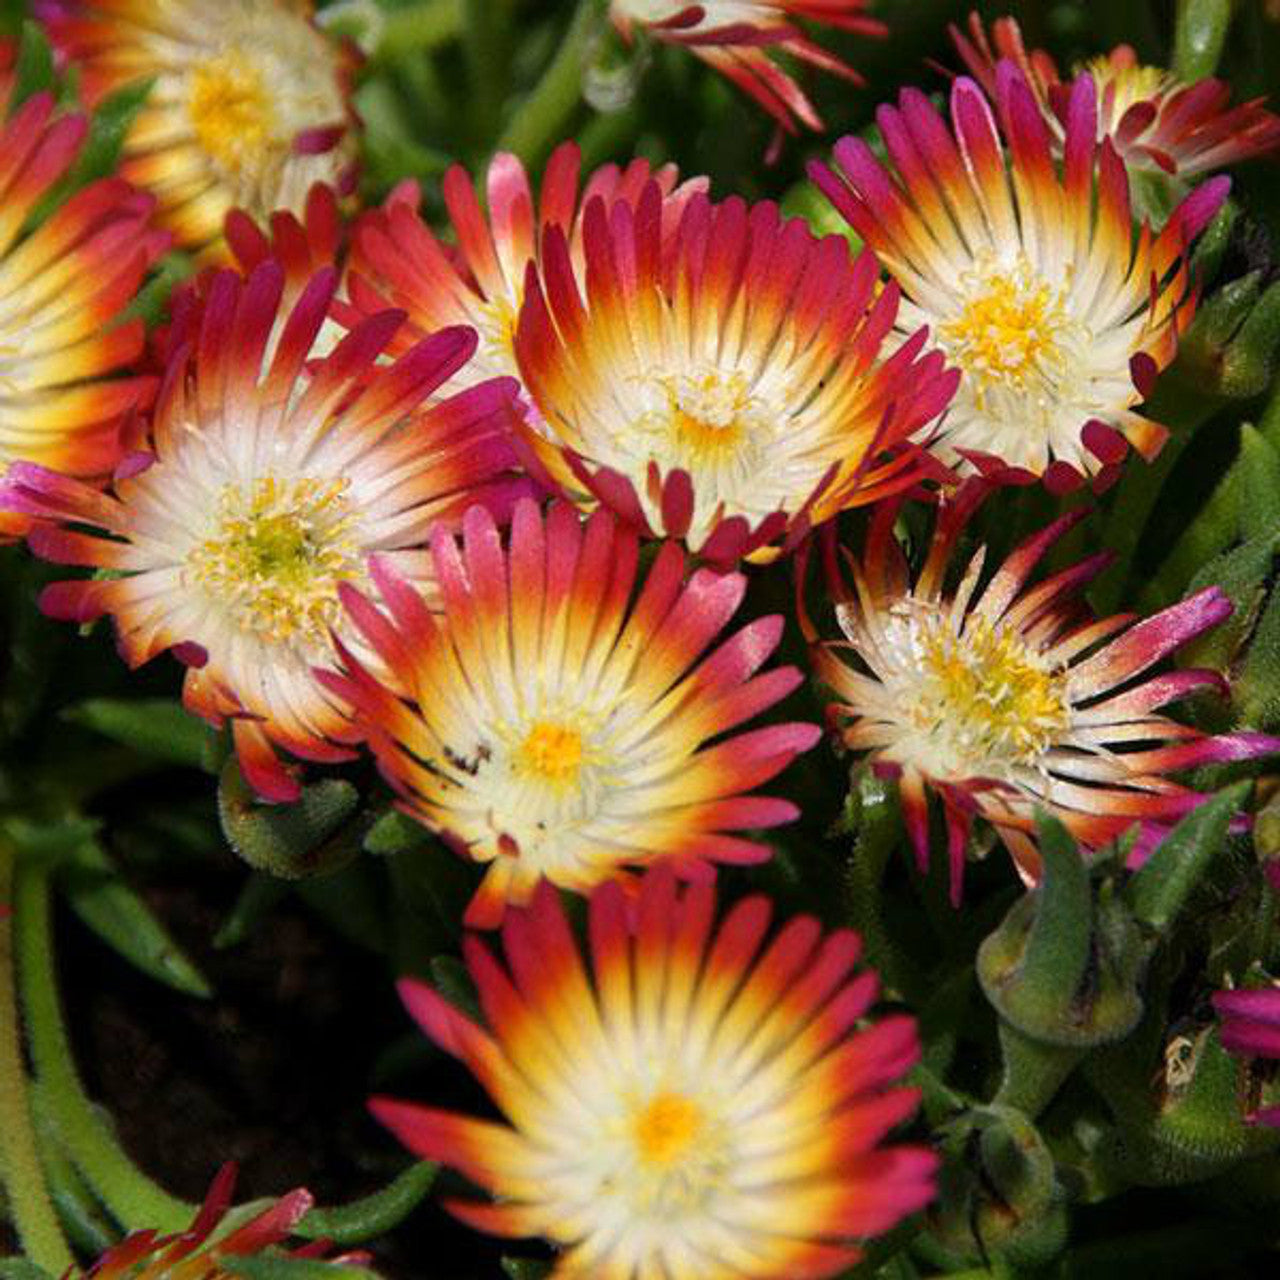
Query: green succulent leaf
{"x": 103, "y": 901}
{"x": 1160, "y": 888}
{"x": 292, "y": 841}
{"x": 159, "y": 728}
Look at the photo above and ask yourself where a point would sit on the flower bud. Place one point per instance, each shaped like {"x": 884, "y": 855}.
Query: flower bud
{"x": 999, "y": 1193}
{"x": 309, "y": 837}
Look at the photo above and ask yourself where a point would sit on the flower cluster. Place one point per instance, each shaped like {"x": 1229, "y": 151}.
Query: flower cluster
{"x": 481, "y": 505}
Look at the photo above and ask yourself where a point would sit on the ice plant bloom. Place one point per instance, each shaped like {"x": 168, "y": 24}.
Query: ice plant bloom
{"x": 737, "y": 37}
{"x": 1029, "y": 277}
{"x": 1250, "y": 1028}
{"x": 1155, "y": 121}
{"x": 724, "y": 385}
{"x": 249, "y": 107}
{"x": 398, "y": 260}
{"x": 301, "y": 246}
{"x": 262, "y": 488}
{"x": 1001, "y": 696}
{"x": 63, "y": 288}
{"x": 194, "y": 1254}
{"x": 551, "y": 726}
{"x": 694, "y": 1101}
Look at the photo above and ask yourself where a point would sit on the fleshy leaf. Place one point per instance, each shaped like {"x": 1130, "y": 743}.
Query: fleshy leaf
{"x": 159, "y": 728}
{"x": 1159, "y": 891}
{"x": 123, "y": 920}
{"x": 289, "y": 840}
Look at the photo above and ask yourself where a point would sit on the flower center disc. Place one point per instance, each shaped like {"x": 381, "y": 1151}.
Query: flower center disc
{"x": 987, "y": 700}
{"x": 552, "y": 752}
{"x": 1009, "y": 330}
{"x": 231, "y": 110}
{"x": 709, "y": 414}
{"x": 666, "y": 1129}
{"x": 277, "y": 556}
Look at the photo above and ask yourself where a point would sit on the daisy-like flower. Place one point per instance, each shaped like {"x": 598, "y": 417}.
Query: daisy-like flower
{"x": 723, "y": 385}
{"x": 1029, "y": 277}
{"x": 694, "y": 1102}
{"x": 552, "y": 727}
{"x": 1155, "y": 121}
{"x": 738, "y": 37}
{"x": 1250, "y": 1028}
{"x": 1002, "y": 696}
{"x": 263, "y": 489}
{"x": 249, "y": 106}
{"x": 479, "y": 281}
{"x": 194, "y": 1254}
{"x": 63, "y": 287}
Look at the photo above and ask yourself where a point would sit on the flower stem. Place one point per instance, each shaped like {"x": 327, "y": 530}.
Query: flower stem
{"x": 1033, "y": 1071}
{"x": 539, "y": 121}
{"x": 20, "y": 1173}
{"x": 132, "y": 1198}
{"x": 486, "y": 41}
{"x": 418, "y": 28}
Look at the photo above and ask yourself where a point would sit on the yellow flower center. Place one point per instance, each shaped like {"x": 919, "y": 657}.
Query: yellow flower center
{"x": 702, "y": 418}
{"x": 673, "y": 1154}
{"x": 1009, "y": 329}
{"x": 709, "y": 413}
{"x": 278, "y": 555}
{"x": 667, "y": 1128}
{"x": 988, "y": 697}
{"x": 552, "y": 752}
{"x": 231, "y": 110}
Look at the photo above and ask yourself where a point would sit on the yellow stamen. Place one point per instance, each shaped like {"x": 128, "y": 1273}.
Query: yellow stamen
{"x": 553, "y": 752}
{"x": 667, "y": 1128}
{"x": 1014, "y": 330}
{"x": 707, "y": 416}
{"x": 231, "y": 110}
{"x": 278, "y": 556}
{"x": 710, "y": 413}
{"x": 989, "y": 696}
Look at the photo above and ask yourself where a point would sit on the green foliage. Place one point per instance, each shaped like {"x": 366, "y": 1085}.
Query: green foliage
{"x": 33, "y": 71}
{"x": 265, "y": 1267}
{"x": 1071, "y": 1073}
{"x": 103, "y": 901}
{"x": 1160, "y": 889}
{"x": 159, "y": 728}
{"x": 308, "y": 837}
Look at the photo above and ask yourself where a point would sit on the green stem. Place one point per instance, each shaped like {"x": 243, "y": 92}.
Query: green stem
{"x": 373, "y": 1215}
{"x": 419, "y": 28}
{"x": 540, "y": 120}
{"x": 132, "y": 1198}
{"x": 605, "y": 137}
{"x": 86, "y": 1223}
{"x": 486, "y": 31}
{"x": 20, "y": 1171}
{"x": 878, "y": 835}
{"x": 1033, "y": 1071}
